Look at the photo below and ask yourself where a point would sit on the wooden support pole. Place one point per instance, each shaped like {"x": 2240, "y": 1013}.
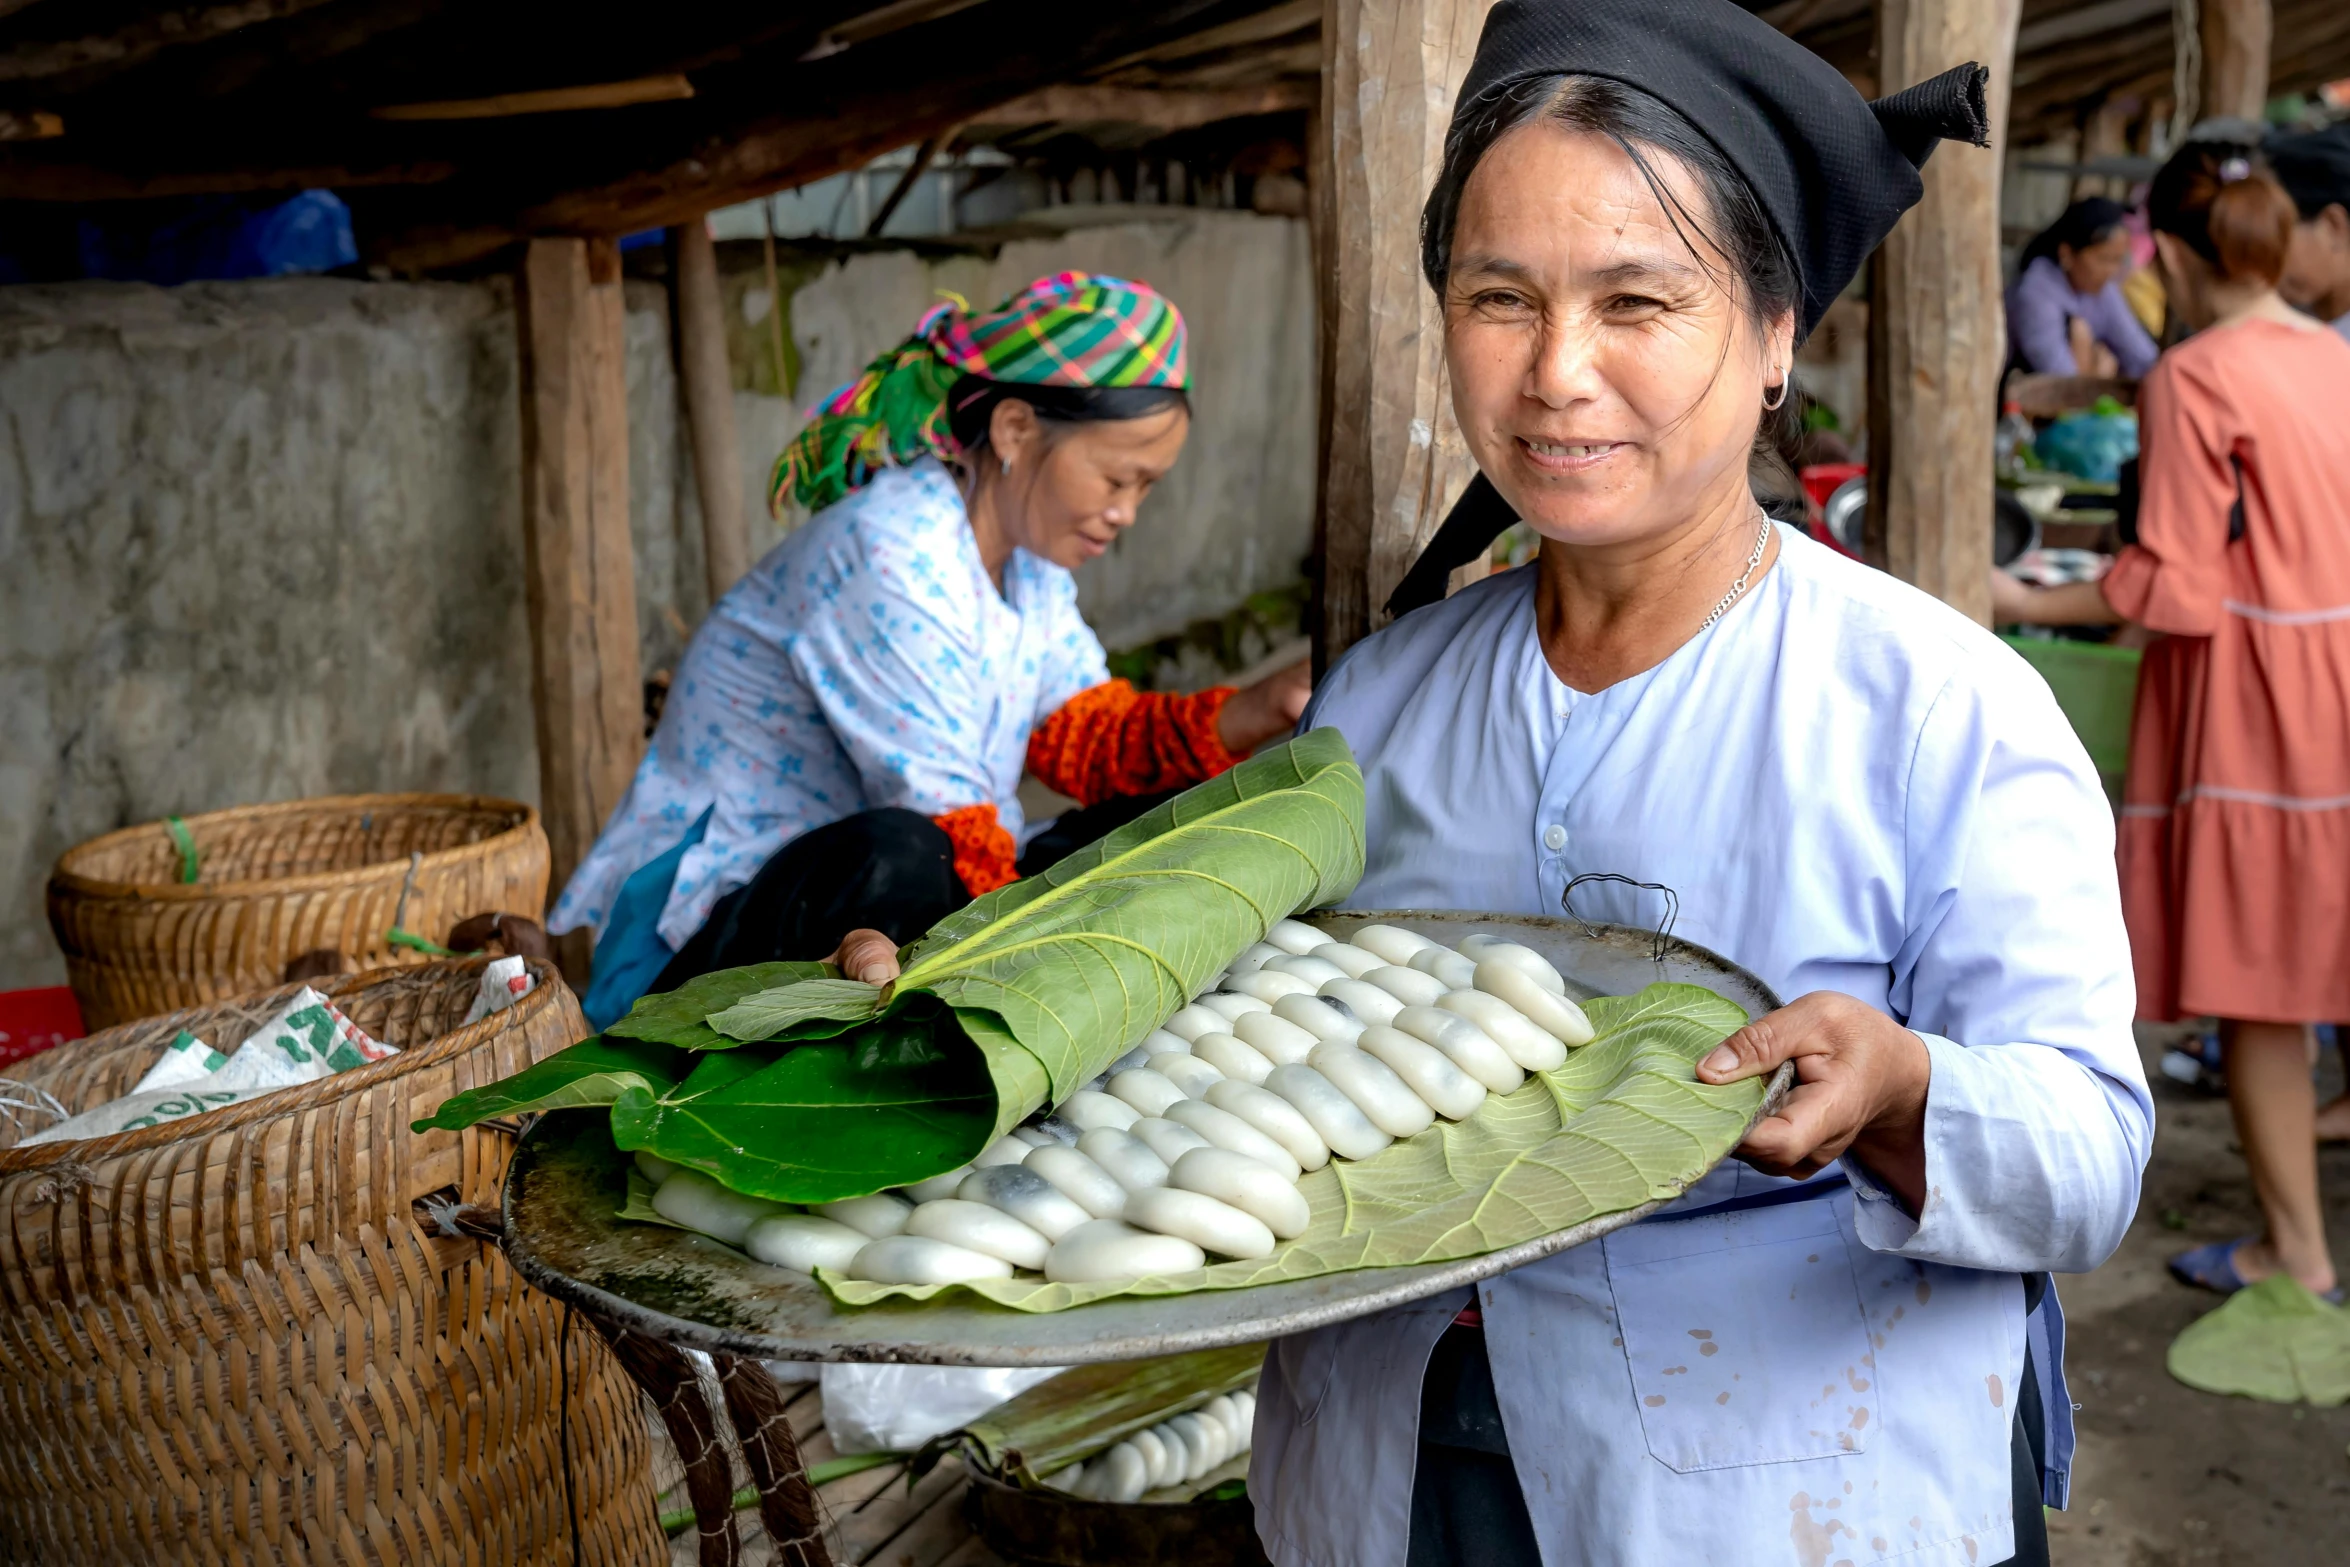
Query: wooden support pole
{"x": 2105, "y": 133}
{"x": 1393, "y": 460}
{"x": 1937, "y": 326}
{"x": 2236, "y": 36}
{"x": 587, "y": 685}
{"x": 709, "y": 405}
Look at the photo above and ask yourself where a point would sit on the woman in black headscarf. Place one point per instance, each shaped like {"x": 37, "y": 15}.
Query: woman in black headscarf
{"x": 1857, "y": 794}
{"x": 1843, "y": 1347}
{"x": 2314, "y": 168}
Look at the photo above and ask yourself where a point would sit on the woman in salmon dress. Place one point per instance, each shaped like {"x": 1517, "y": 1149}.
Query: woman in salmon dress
{"x": 2235, "y": 830}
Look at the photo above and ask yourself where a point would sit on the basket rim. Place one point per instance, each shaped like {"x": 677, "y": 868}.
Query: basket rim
{"x": 62, "y": 878}
{"x": 296, "y": 1098}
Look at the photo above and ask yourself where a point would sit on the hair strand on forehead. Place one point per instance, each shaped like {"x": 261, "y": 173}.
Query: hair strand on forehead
{"x": 1762, "y": 279}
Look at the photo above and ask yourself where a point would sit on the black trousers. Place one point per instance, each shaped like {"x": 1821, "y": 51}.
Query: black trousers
{"x": 1467, "y": 1510}
{"x": 888, "y": 870}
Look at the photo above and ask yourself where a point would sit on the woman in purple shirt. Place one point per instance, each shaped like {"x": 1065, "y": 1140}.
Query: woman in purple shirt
{"x": 2065, "y": 312}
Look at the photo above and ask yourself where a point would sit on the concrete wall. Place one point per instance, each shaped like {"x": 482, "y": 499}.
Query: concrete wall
{"x": 263, "y": 540}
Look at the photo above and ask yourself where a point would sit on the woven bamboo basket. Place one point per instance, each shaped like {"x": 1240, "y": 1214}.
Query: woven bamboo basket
{"x": 232, "y": 1338}
{"x": 277, "y": 881}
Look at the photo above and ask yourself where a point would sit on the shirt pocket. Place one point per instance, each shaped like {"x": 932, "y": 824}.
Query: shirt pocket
{"x": 1306, "y": 1361}
{"x": 1744, "y": 1337}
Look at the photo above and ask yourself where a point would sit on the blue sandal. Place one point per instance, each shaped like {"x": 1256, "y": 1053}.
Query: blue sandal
{"x": 2213, "y": 1267}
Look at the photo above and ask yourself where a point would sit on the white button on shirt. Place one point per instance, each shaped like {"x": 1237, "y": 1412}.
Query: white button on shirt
{"x": 1852, "y": 788}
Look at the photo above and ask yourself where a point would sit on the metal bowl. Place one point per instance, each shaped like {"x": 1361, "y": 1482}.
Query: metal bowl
{"x": 567, "y": 1180}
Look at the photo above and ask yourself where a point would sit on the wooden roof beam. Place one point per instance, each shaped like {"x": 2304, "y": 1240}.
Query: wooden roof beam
{"x": 139, "y": 41}
{"x": 59, "y": 181}
{"x": 665, "y": 88}
{"x": 1159, "y": 109}
{"x": 846, "y": 110}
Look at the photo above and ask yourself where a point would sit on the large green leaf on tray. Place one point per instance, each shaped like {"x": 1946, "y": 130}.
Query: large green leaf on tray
{"x": 897, "y": 1101}
{"x": 1621, "y": 1123}
{"x": 1074, "y": 966}
{"x": 596, "y": 1071}
{"x": 820, "y": 1088}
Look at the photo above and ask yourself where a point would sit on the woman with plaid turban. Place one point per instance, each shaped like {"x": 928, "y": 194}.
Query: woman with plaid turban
{"x": 845, "y": 737}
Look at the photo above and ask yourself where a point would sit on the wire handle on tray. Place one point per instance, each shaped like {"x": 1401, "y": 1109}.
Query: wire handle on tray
{"x": 1663, "y": 933}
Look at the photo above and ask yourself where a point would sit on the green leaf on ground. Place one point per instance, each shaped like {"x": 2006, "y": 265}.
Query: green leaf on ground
{"x": 2274, "y": 1341}
{"x": 898, "y": 1101}
{"x": 596, "y": 1071}
{"x": 1623, "y": 1122}
{"x": 676, "y": 1017}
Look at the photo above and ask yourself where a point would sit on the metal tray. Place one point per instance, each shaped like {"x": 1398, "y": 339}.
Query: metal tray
{"x": 567, "y": 1179}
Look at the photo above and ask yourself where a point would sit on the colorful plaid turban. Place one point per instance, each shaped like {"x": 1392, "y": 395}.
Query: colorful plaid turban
{"x": 1071, "y": 329}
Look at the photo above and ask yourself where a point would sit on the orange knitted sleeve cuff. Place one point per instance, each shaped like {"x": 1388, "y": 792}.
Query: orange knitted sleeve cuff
{"x": 1114, "y": 740}
{"x": 984, "y": 851}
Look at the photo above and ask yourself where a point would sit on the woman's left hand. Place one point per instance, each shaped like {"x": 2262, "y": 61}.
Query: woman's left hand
{"x": 1255, "y": 714}
{"x": 1860, "y": 1087}
{"x": 868, "y": 955}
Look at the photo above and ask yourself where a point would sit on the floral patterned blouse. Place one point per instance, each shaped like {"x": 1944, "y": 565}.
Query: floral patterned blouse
{"x": 867, "y": 661}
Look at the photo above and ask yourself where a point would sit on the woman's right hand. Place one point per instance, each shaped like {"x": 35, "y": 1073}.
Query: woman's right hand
{"x": 867, "y": 955}
{"x": 2015, "y": 602}
{"x": 2011, "y": 599}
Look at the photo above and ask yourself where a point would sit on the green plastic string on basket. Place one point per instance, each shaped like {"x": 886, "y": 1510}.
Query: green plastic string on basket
{"x": 191, "y": 858}
{"x": 424, "y": 944}
{"x": 398, "y": 936}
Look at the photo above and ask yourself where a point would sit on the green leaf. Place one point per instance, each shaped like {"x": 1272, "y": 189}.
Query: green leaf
{"x": 1044, "y": 983}
{"x": 676, "y": 1017}
{"x": 638, "y": 1208}
{"x": 1076, "y": 965}
{"x": 898, "y": 1101}
{"x": 2274, "y": 1341}
{"x": 596, "y": 1071}
{"x": 723, "y": 1069}
{"x": 1623, "y": 1122}
{"x": 1086, "y": 1409}
{"x": 769, "y": 1014}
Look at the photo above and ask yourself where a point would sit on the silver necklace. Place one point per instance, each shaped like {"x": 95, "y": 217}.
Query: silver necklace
{"x": 1762, "y": 541}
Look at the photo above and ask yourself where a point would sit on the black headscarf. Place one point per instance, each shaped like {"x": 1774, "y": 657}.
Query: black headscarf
{"x": 2314, "y": 168}
{"x": 1832, "y": 171}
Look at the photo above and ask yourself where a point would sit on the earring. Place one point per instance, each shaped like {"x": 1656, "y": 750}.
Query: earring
{"x": 1774, "y": 404}
{"x": 1007, "y": 462}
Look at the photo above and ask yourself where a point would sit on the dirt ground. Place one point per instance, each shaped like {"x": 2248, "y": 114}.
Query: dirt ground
{"x": 2166, "y": 1475}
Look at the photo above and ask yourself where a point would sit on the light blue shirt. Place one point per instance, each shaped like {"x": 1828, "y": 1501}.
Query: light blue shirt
{"x": 868, "y": 660}
{"x": 1852, "y": 788}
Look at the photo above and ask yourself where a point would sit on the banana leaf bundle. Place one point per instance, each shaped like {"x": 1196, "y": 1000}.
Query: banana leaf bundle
{"x": 1088, "y": 1408}
{"x": 787, "y": 1082}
